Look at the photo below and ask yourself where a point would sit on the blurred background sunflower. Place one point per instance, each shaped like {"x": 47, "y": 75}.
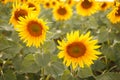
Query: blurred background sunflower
{"x": 62, "y": 12}
{"x": 19, "y": 10}
{"x": 87, "y": 7}
{"x": 114, "y": 15}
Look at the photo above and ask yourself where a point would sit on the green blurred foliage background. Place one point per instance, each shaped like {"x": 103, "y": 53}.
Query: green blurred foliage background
{"x": 18, "y": 62}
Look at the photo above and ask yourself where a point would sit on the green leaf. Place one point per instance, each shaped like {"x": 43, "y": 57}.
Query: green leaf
{"x": 29, "y": 65}
{"x": 67, "y": 75}
{"x": 9, "y": 75}
{"x": 108, "y": 51}
{"x": 3, "y": 44}
{"x": 27, "y": 50}
{"x": 15, "y": 36}
{"x": 116, "y": 49}
{"x": 49, "y": 46}
{"x": 85, "y": 72}
{"x": 12, "y": 51}
{"x": 17, "y": 61}
{"x": 117, "y": 36}
{"x": 109, "y": 76}
{"x": 103, "y": 34}
{"x": 20, "y": 77}
{"x": 98, "y": 65}
{"x": 55, "y": 68}
{"x": 42, "y": 59}
{"x": 54, "y": 58}
{"x": 1, "y": 78}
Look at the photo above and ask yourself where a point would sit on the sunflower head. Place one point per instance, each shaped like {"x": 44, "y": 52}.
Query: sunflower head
{"x": 47, "y": 4}
{"x": 32, "y": 30}
{"x": 86, "y": 4}
{"x": 87, "y": 7}
{"x": 70, "y": 2}
{"x": 34, "y": 5}
{"x": 18, "y": 11}
{"x": 114, "y": 15}
{"x": 117, "y": 13}
{"x": 78, "y": 50}
{"x": 62, "y": 12}
{"x": 105, "y": 5}
{"x": 23, "y": 1}
{"x": 54, "y": 3}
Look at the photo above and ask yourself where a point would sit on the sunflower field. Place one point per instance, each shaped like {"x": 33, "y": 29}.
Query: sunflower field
{"x": 60, "y": 40}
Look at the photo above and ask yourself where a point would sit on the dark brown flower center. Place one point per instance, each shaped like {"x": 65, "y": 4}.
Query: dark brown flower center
{"x": 2, "y": 0}
{"x": 23, "y": 0}
{"x": 103, "y": 5}
{"x": 20, "y": 13}
{"x": 118, "y": 12}
{"x": 47, "y": 4}
{"x": 53, "y": 3}
{"x": 86, "y": 4}
{"x": 62, "y": 11}
{"x": 69, "y": 2}
{"x": 34, "y": 28}
{"x": 30, "y": 5}
{"x": 76, "y": 49}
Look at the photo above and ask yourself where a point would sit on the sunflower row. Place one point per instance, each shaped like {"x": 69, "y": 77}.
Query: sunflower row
{"x": 63, "y": 10}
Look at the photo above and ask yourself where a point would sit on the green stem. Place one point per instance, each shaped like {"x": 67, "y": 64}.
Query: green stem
{"x": 74, "y": 73}
{"x": 2, "y": 73}
{"x": 112, "y": 68}
{"x": 48, "y": 77}
{"x": 42, "y": 74}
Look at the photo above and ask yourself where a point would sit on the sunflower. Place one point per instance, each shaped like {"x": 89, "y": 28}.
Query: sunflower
{"x": 32, "y": 30}
{"x": 54, "y": 3}
{"x": 34, "y": 5}
{"x": 19, "y": 11}
{"x": 47, "y": 4}
{"x": 105, "y": 5}
{"x": 78, "y": 50}
{"x": 58, "y": 0}
{"x": 62, "y": 12}
{"x": 70, "y": 2}
{"x": 87, "y": 7}
{"x": 114, "y": 15}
